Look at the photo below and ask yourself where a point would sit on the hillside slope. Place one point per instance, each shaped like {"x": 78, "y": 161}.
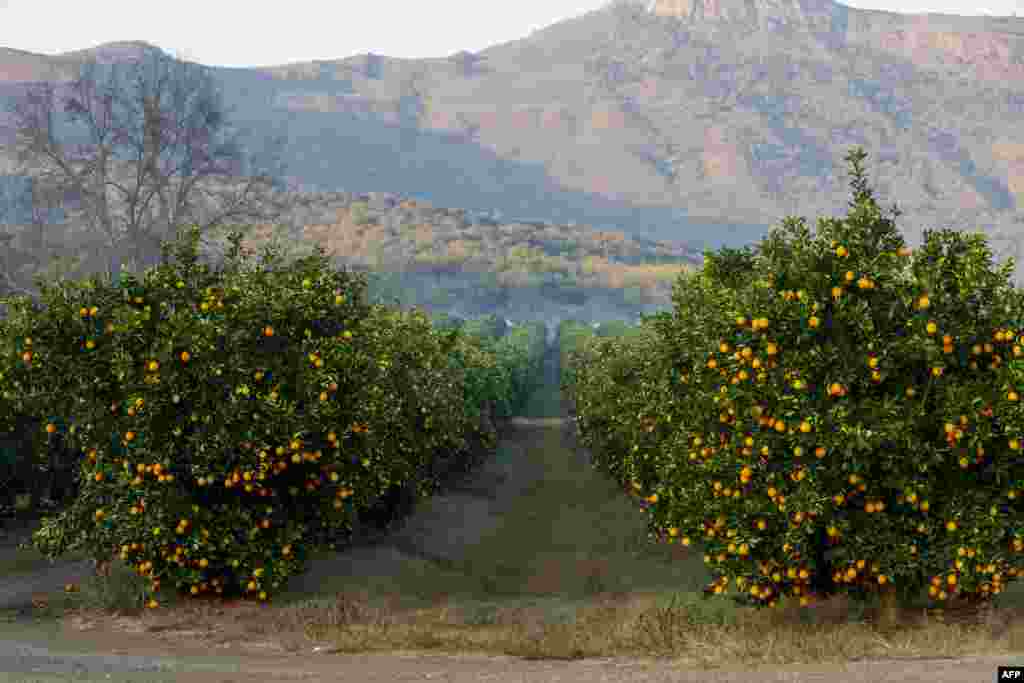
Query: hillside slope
{"x": 664, "y": 118}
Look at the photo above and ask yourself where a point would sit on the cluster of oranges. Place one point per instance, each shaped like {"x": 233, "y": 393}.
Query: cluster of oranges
{"x": 136, "y": 474}
{"x": 743, "y": 363}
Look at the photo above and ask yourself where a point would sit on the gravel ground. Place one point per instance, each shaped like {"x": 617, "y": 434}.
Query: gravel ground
{"x": 32, "y": 661}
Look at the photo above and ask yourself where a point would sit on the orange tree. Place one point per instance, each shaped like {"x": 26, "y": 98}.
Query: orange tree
{"x": 849, "y": 417}
{"x": 167, "y": 398}
{"x": 622, "y": 399}
{"x": 513, "y": 372}
{"x": 522, "y": 351}
{"x": 222, "y": 417}
{"x": 573, "y": 337}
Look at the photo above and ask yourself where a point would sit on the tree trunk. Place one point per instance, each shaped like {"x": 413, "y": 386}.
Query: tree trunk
{"x": 888, "y": 615}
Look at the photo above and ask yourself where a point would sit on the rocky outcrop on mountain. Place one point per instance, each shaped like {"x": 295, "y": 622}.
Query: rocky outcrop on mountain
{"x": 765, "y": 14}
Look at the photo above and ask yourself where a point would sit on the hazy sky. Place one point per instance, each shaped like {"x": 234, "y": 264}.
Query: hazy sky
{"x": 239, "y": 33}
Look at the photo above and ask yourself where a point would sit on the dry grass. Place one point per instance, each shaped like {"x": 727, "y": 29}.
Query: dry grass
{"x": 680, "y": 627}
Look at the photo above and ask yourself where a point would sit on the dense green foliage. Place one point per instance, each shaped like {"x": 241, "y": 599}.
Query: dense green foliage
{"x": 829, "y": 413}
{"x": 229, "y": 422}
{"x": 614, "y": 381}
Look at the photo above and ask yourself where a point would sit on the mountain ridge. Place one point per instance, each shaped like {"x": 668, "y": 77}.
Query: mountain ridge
{"x": 705, "y": 123}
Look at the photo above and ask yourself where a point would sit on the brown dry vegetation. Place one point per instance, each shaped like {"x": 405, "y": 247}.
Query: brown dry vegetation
{"x": 404, "y": 236}
{"x": 411, "y": 237}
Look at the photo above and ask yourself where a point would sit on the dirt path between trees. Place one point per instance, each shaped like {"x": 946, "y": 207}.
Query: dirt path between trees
{"x": 465, "y": 536}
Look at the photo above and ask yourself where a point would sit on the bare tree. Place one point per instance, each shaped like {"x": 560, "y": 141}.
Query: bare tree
{"x": 37, "y": 205}
{"x": 158, "y": 156}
